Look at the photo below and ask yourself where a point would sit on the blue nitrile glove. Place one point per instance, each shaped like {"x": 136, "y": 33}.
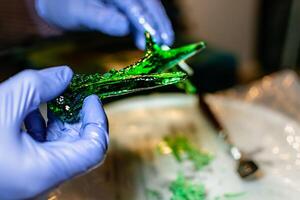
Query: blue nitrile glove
{"x": 29, "y": 164}
{"x": 113, "y": 17}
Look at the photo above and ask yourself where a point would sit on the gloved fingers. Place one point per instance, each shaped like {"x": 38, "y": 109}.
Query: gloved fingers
{"x": 139, "y": 39}
{"x": 54, "y": 122}
{"x": 104, "y": 18}
{"x": 55, "y": 127}
{"x": 36, "y": 126}
{"x": 94, "y": 130}
{"x": 52, "y": 82}
{"x": 161, "y": 20}
{"x": 30, "y": 88}
{"x": 60, "y": 131}
{"x": 94, "y": 120}
{"x": 75, "y": 157}
{"x": 139, "y": 19}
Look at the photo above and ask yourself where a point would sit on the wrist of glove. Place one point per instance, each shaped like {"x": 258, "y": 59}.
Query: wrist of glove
{"x": 43, "y": 156}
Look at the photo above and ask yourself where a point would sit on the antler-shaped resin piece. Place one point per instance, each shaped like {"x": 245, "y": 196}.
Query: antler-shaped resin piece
{"x": 148, "y": 73}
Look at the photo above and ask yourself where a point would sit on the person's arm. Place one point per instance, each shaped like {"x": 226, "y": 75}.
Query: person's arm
{"x": 113, "y": 17}
{"x": 42, "y": 156}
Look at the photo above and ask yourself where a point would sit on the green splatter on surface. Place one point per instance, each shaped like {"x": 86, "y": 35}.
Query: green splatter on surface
{"x": 181, "y": 147}
{"x": 231, "y": 196}
{"x": 149, "y": 72}
{"x": 182, "y": 189}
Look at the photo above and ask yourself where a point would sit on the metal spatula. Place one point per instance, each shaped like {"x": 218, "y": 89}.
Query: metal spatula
{"x": 246, "y": 167}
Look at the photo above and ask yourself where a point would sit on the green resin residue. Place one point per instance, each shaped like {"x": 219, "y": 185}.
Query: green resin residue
{"x": 181, "y": 148}
{"x": 231, "y": 196}
{"x": 155, "y": 69}
{"x": 182, "y": 189}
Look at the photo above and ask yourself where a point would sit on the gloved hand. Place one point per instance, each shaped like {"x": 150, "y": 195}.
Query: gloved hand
{"x": 113, "y": 17}
{"x": 29, "y": 164}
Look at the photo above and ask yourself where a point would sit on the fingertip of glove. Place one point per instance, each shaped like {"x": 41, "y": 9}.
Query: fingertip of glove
{"x": 121, "y": 25}
{"x": 66, "y": 73}
{"x": 168, "y": 39}
{"x": 62, "y": 73}
{"x": 140, "y": 42}
{"x": 92, "y": 99}
{"x": 92, "y": 110}
{"x": 94, "y": 121}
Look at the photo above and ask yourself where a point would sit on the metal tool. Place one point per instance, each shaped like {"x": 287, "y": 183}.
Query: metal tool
{"x": 246, "y": 167}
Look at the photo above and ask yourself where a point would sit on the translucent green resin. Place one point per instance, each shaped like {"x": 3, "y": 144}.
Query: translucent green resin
{"x": 149, "y": 72}
{"x": 182, "y": 189}
{"x": 181, "y": 148}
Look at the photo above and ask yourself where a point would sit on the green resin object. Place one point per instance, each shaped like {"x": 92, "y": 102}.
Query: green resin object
{"x": 182, "y": 148}
{"x": 182, "y": 189}
{"x": 151, "y": 71}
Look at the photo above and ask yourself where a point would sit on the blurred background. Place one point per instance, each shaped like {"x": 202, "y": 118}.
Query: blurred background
{"x": 246, "y": 40}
